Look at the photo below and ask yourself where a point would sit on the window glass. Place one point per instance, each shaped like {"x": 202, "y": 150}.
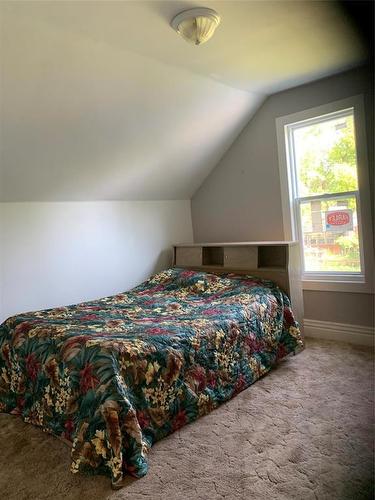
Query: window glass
{"x": 325, "y": 156}
{"x": 330, "y": 235}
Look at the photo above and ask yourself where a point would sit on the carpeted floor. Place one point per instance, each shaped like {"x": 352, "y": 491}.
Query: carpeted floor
{"x": 302, "y": 432}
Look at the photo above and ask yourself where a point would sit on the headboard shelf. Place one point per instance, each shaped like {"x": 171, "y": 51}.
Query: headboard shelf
{"x": 278, "y": 261}
{"x": 212, "y": 256}
{"x": 238, "y": 243}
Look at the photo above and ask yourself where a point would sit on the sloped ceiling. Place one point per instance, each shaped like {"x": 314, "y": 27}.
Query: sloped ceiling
{"x": 103, "y": 100}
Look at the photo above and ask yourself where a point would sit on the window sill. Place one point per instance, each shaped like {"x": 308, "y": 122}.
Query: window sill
{"x": 337, "y": 286}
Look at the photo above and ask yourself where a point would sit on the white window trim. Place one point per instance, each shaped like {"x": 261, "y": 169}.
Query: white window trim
{"x": 333, "y": 282}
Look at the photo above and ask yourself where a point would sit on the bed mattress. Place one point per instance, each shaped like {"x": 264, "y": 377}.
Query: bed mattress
{"x": 113, "y": 376}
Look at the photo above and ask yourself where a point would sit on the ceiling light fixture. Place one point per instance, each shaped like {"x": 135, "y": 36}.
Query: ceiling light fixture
{"x": 196, "y": 25}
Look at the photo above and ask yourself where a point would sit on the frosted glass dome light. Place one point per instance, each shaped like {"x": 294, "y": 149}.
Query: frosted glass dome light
{"x": 196, "y": 25}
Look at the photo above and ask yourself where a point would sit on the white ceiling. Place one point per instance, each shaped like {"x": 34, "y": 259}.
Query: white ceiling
{"x": 103, "y": 100}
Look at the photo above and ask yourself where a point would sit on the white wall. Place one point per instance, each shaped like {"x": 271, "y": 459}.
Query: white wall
{"x": 61, "y": 253}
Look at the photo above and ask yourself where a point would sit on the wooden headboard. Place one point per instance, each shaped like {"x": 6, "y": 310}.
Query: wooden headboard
{"x": 278, "y": 261}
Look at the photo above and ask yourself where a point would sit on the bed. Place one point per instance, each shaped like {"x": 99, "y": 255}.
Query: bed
{"x": 113, "y": 376}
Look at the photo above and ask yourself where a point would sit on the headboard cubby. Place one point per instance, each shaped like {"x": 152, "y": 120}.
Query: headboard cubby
{"x": 278, "y": 261}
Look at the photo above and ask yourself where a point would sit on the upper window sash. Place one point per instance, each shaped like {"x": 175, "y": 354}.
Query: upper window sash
{"x": 289, "y": 130}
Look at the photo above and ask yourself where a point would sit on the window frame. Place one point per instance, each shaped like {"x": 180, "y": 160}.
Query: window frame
{"x": 334, "y": 281}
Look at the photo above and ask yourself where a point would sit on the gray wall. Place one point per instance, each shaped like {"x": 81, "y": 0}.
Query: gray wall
{"x": 241, "y": 199}
{"x": 339, "y": 307}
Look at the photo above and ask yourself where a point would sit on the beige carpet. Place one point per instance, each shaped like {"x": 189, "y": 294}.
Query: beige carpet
{"x": 302, "y": 432}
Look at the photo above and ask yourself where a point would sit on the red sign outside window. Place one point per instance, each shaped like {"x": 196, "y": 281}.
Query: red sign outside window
{"x": 339, "y": 220}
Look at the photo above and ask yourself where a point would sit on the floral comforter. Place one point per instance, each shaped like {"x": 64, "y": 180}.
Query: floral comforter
{"x": 115, "y": 375}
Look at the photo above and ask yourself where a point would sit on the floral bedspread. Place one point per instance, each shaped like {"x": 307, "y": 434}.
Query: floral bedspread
{"x": 113, "y": 376}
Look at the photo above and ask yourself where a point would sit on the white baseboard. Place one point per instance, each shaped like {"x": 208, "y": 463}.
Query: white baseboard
{"x": 343, "y": 332}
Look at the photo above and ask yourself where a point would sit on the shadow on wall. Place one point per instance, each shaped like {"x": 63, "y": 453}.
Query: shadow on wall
{"x": 164, "y": 261}
{"x": 167, "y": 10}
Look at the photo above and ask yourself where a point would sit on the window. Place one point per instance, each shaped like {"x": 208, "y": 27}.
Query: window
{"x": 320, "y": 154}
